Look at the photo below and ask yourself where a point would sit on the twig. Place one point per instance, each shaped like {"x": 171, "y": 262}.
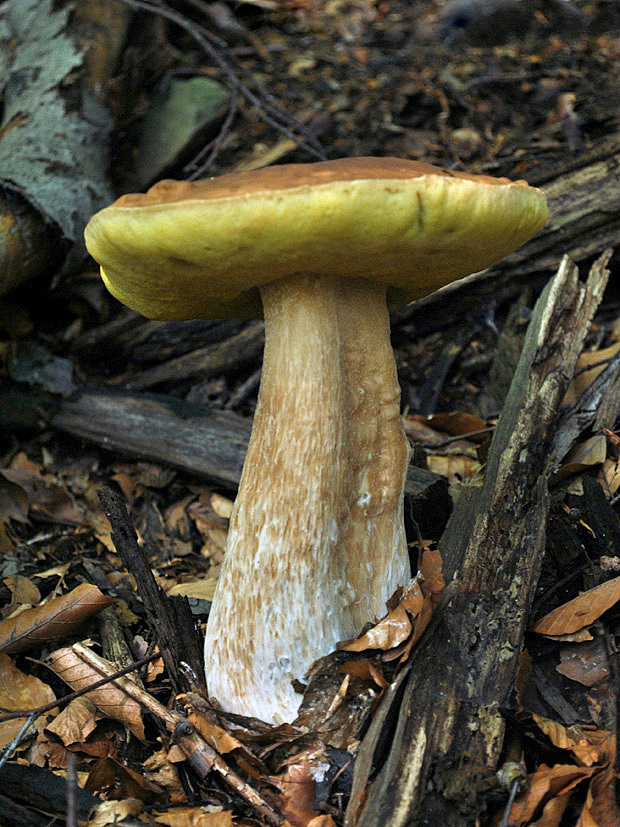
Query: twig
{"x": 201, "y": 756}
{"x": 10, "y": 748}
{"x": 511, "y": 798}
{"x": 275, "y": 117}
{"x": 39, "y": 710}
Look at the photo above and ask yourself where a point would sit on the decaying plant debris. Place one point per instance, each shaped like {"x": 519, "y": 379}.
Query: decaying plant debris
{"x": 487, "y": 695}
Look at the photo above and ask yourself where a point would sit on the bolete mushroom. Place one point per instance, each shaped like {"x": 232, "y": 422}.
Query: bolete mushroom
{"x": 316, "y": 542}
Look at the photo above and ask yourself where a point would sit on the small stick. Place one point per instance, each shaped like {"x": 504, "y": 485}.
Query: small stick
{"x": 201, "y": 756}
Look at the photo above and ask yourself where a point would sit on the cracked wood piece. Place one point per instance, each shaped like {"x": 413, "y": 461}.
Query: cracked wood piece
{"x": 449, "y": 731}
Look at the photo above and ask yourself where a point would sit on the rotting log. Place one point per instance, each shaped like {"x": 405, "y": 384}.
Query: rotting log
{"x": 446, "y": 711}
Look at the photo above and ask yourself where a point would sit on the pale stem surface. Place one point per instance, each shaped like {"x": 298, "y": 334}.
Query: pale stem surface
{"x": 317, "y": 541}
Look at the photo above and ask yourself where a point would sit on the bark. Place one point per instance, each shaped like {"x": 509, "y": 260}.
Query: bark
{"x": 449, "y": 728}
{"x": 54, "y": 128}
{"x": 170, "y": 618}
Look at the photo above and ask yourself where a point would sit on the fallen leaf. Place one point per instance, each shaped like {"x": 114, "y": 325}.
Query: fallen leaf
{"x": 58, "y": 618}
{"x": 23, "y": 591}
{"x": 201, "y": 589}
{"x": 364, "y": 669}
{"x": 19, "y": 691}
{"x": 589, "y": 366}
{"x": 75, "y": 723}
{"x": 195, "y": 817}
{"x": 108, "y": 699}
{"x": 584, "y": 662}
{"x": 583, "y": 455}
{"x": 581, "y": 611}
{"x": 389, "y": 632}
{"x": 119, "y": 782}
{"x": 543, "y": 785}
{"x": 44, "y": 494}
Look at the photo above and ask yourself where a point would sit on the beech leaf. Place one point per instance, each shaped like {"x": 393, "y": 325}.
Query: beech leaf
{"x": 581, "y": 611}
{"x": 60, "y": 617}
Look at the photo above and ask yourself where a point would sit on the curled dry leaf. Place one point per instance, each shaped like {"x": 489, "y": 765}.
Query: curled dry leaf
{"x": 19, "y": 691}
{"x": 405, "y": 623}
{"x": 584, "y": 662}
{"x": 60, "y": 617}
{"x": 581, "y": 611}
{"x": 583, "y": 455}
{"x": 388, "y": 633}
{"x": 23, "y": 593}
{"x": 297, "y": 784}
{"x": 108, "y": 699}
{"x": 544, "y": 785}
{"x": 201, "y": 589}
{"x": 364, "y": 669}
{"x": 590, "y": 747}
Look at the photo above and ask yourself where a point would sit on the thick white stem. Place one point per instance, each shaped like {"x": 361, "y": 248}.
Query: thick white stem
{"x": 316, "y": 542}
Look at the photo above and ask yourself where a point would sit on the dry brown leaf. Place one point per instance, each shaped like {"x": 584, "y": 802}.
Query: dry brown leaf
{"x": 195, "y": 817}
{"x": 13, "y": 500}
{"x": 19, "y": 691}
{"x": 546, "y": 783}
{"x": 600, "y": 809}
{"x": 585, "y": 374}
{"x": 158, "y": 769}
{"x": 44, "y": 494}
{"x": 457, "y": 423}
{"x": 552, "y": 812}
{"x": 23, "y": 591}
{"x": 584, "y": 662}
{"x": 590, "y": 747}
{"x": 113, "y": 812}
{"x": 221, "y": 741}
{"x": 389, "y": 632}
{"x": 75, "y": 723}
{"x": 583, "y": 455}
{"x": 297, "y": 785}
{"x": 119, "y": 782}
{"x": 581, "y": 611}
{"x": 455, "y": 465}
{"x": 60, "y": 617}
{"x": 201, "y": 589}
{"x": 108, "y": 699}
{"x": 364, "y": 669}
{"x": 609, "y": 476}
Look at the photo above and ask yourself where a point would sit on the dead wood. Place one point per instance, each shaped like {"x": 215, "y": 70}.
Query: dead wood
{"x": 170, "y": 618}
{"x": 449, "y": 731}
{"x": 234, "y": 353}
{"x": 584, "y": 204}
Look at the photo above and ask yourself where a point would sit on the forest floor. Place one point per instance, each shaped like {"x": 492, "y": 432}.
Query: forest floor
{"x": 516, "y": 89}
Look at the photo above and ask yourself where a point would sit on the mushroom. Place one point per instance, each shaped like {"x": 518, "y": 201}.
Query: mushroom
{"x": 316, "y": 542}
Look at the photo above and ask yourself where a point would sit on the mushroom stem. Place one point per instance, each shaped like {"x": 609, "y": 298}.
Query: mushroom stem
{"x": 317, "y": 541}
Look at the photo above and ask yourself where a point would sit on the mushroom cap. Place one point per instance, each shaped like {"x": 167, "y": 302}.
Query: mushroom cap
{"x": 202, "y": 249}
